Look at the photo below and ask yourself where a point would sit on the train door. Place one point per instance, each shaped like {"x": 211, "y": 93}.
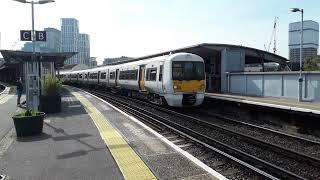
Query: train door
{"x": 116, "y": 78}
{"x": 160, "y": 78}
{"x": 141, "y": 77}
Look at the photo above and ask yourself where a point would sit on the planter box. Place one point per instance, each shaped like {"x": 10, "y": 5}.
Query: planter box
{"x": 28, "y": 125}
{"x": 50, "y": 104}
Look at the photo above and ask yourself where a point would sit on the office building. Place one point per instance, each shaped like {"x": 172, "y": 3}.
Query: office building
{"x": 93, "y": 61}
{"x": 53, "y": 43}
{"x": 28, "y": 46}
{"x": 310, "y": 40}
{"x": 83, "y": 49}
{"x": 70, "y": 38}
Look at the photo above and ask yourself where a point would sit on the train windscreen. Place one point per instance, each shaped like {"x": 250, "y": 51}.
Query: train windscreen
{"x": 187, "y": 70}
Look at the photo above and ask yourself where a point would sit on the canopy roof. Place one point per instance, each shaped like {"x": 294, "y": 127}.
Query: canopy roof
{"x": 205, "y": 49}
{"x": 13, "y": 57}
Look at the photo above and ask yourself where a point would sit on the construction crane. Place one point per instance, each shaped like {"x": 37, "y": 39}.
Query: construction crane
{"x": 273, "y": 37}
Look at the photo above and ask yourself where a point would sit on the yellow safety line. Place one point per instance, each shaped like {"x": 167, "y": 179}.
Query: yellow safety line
{"x": 130, "y": 164}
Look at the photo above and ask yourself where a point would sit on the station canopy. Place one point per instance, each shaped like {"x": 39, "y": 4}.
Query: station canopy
{"x": 12, "y": 58}
{"x": 208, "y": 49}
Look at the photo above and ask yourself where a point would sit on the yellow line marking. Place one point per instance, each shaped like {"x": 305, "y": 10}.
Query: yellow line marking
{"x": 5, "y": 99}
{"x": 130, "y": 164}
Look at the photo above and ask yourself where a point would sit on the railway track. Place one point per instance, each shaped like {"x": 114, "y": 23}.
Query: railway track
{"x": 300, "y": 145}
{"x": 267, "y": 168}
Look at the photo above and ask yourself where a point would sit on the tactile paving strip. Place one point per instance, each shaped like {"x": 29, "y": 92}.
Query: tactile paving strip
{"x": 130, "y": 164}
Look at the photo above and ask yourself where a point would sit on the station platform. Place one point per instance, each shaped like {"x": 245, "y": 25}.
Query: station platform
{"x": 7, "y": 108}
{"x": 91, "y": 139}
{"x": 279, "y": 103}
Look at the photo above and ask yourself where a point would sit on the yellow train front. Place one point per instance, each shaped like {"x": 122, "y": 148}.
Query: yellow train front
{"x": 184, "y": 80}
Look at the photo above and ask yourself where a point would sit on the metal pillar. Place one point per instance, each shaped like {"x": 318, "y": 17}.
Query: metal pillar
{"x": 301, "y": 46}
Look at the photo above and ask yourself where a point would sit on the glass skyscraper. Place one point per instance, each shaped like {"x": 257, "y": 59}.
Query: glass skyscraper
{"x": 310, "y": 40}
{"x": 73, "y": 41}
{"x": 69, "y": 38}
{"x": 84, "y": 49}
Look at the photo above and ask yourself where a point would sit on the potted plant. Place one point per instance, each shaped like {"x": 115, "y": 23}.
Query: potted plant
{"x": 28, "y": 123}
{"x": 50, "y": 100}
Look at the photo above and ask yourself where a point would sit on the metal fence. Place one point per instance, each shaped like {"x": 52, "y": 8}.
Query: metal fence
{"x": 274, "y": 84}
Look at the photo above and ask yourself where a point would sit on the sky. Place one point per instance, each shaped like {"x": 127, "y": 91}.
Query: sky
{"x": 142, "y": 27}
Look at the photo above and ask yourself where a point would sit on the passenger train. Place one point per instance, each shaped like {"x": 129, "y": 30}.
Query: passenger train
{"x": 176, "y": 80}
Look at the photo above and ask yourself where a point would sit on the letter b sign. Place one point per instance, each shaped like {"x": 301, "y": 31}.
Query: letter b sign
{"x": 41, "y": 36}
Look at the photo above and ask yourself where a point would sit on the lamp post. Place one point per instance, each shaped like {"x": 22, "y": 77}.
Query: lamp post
{"x": 34, "y": 75}
{"x": 301, "y": 44}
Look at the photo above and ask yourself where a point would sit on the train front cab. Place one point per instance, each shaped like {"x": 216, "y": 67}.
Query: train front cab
{"x": 187, "y": 85}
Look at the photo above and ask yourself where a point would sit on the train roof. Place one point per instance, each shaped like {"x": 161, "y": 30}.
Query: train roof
{"x": 132, "y": 63}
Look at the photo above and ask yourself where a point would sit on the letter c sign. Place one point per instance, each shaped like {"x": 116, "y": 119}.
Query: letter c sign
{"x": 25, "y": 35}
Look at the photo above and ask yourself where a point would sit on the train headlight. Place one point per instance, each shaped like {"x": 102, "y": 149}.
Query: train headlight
{"x": 176, "y": 87}
{"x": 202, "y": 86}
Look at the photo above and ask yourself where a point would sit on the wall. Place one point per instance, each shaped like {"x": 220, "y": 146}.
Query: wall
{"x": 275, "y": 84}
{"x": 232, "y": 60}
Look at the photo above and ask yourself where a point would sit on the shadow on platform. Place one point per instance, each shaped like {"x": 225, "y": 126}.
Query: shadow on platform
{"x": 40, "y": 137}
{"x": 76, "y": 137}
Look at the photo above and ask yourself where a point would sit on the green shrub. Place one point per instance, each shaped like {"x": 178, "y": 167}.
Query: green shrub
{"x": 51, "y": 86}
{"x": 28, "y": 113}
{"x": 311, "y": 64}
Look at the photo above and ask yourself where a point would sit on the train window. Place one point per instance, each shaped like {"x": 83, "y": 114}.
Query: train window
{"x": 112, "y": 75}
{"x": 85, "y": 76}
{"x": 80, "y": 76}
{"x": 151, "y": 74}
{"x": 93, "y": 76}
{"x": 128, "y": 75}
{"x": 103, "y": 75}
{"x": 187, "y": 70}
{"x": 135, "y": 74}
{"x": 121, "y": 75}
{"x": 160, "y": 72}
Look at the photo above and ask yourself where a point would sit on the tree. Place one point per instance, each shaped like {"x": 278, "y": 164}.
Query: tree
{"x": 312, "y": 64}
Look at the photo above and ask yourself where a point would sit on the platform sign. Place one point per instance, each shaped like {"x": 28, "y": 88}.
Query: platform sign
{"x": 32, "y": 84}
{"x": 41, "y": 36}
{"x": 25, "y": 35}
